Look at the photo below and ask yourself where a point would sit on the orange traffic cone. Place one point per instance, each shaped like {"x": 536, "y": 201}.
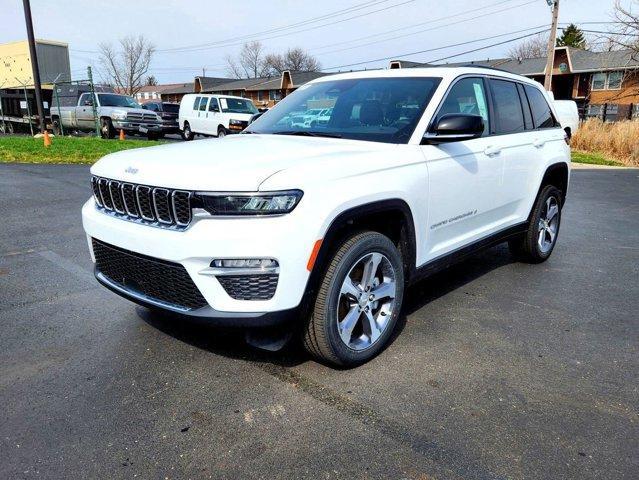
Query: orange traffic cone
{"x": 47, "y": 139}
{"x": 121, "y": 134}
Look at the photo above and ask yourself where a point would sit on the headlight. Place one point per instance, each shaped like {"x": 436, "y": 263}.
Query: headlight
{"x": 236, "y": 122}
{"x": 118, "y": 115}
{"x": 268, "y": 203}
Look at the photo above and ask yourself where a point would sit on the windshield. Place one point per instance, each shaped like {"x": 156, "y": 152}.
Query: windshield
{"x": 373, "y": 109}
{"x": 113, "y": 100}
{"x": 171, "y": 107}
{"x": 237, "y": 105}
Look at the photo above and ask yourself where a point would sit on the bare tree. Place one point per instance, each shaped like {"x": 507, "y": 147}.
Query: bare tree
{"x": 151, "y": 80}
{"x": 533, "y": 47}
{"x": 250, "y": 62}
{"x": 626, "y": 36}
{"x": 126, "y": 67}
{"x": 294, "y": 59}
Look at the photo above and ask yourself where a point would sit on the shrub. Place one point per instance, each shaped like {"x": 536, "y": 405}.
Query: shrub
{"x": 618, "y": 140}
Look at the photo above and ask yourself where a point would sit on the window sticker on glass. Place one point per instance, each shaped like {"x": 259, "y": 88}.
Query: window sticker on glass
{"x": 481, "y": 103}
{"x": 223, "y": 103}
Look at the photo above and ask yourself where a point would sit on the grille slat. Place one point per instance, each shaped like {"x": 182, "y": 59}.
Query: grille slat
{"x": 105, "y": 194}
{"x": 116, "y": 196}
{"x": 162, "y": 206}
{"x": 142, "y": 203}
{"x": 250, "y": 287}
{"x": 96, "y": 191}
{"x": 130, "y": 202}
{"x": 157, "y": 279}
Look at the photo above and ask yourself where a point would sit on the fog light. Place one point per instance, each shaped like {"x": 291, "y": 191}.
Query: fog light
{"x": 257, "y": 263}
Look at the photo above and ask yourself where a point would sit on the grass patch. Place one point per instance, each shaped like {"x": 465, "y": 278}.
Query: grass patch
{"x": 64, "y": 149}
{"x": 616, "y": 141}
{"x": 593, "y": 159}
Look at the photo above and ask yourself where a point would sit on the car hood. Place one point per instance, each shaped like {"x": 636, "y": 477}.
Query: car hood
{"x": 235, "y": 163}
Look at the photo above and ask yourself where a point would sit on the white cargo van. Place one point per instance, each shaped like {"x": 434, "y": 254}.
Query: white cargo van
{"x": 216, "y": 115}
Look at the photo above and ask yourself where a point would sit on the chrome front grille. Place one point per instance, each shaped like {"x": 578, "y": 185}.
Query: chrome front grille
{"x": 142, "y": 203}
{"x": 139, "y": 117}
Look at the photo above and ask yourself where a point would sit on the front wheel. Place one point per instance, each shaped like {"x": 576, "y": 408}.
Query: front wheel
{"x": 57, "y": 130}
{"x": 543, "y": 228}
{"x": 187, "y": 133}
{"x": 358, "y": 302}
{"x": 221, "y": 132}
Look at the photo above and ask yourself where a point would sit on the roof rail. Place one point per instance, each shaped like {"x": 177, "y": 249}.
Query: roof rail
{"x": 471, "y": 65}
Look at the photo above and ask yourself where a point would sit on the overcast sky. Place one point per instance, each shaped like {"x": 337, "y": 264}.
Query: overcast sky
{"x": 336, "y": 40}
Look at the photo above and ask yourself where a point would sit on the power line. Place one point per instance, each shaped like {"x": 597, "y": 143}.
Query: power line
{"x": 435, "y": 20}
{"x": 337, "y": 13}
{"x": 219, "y": 44}
{"x": 448, "y": 46}
{"x": 431, "y": 28}
{"x": 489, "y": 46}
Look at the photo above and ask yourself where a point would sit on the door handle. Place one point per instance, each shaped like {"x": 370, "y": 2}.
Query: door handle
{"x": 538, "y": 143}
{"x": 492, "y": 150}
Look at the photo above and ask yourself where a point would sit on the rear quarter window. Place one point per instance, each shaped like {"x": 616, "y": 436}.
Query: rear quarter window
{"x": 541, "y": 113}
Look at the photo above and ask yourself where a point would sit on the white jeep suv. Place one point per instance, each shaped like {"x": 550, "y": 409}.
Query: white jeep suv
{"x": 320, "y": 229}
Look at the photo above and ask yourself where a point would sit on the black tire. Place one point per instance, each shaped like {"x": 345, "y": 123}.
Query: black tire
{"x": 106, "y": 128}
{"x": 221, "y": 132}
{"x": 321, "y": 335}
{"x": 535, "y": 246}
{"x": 187, "y": 133}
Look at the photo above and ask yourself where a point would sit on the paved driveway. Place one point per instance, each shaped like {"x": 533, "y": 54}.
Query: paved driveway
{"x": 502, "y": 370}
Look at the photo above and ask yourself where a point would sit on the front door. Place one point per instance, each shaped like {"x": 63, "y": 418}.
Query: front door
{"x": 84, "y": 112}
{"x": 464, "y": 177}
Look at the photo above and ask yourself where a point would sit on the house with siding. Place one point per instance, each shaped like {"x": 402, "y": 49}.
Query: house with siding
{"x": 602, "y": 83}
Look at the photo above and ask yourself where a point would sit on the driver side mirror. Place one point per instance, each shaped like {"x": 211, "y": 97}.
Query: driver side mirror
{"x": 455, "y": 127}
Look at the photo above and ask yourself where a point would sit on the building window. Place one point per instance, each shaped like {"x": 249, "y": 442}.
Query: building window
{"x": 607, "y": 80}
{"x": 275, "y": 95}
{"x": 259, "y": 95}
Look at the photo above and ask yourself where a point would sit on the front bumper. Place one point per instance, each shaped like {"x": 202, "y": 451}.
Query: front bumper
{"x": 137, "y": 126}
{"x": 208, "y": 314}
{"x": 215, "y": 238}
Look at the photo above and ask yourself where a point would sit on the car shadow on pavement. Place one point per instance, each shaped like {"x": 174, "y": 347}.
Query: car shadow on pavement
{"x": 231, "y": 342}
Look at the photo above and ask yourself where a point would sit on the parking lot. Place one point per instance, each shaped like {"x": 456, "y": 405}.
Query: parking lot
{"x": 502, "y": 370}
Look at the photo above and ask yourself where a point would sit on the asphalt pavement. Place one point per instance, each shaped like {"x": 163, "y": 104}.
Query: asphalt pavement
{"x": 501, "y": 370}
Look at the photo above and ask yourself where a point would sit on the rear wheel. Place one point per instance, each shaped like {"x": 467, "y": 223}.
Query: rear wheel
{"x": 106, "y": 128}
{"x": 187, "y": 133}
{"x": 358, "y": 301}
{"x": 543, "y": 228}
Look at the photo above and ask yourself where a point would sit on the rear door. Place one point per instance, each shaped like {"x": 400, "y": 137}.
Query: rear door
{"x": 513, "y": 138}
{"x": 542, "y": 140}
{"x": 464, "y": 177}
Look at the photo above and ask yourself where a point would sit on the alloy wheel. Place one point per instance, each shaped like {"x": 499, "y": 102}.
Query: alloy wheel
{"x": 548, "y": 225}
{"x": 366, "y": 301}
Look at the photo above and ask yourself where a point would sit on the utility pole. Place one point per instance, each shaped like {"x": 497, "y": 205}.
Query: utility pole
{"x": 203, "y": 72}
{"x": 94, "y": 100}
{"x": 34, "y": 63}
{"x": 554, "y": 4}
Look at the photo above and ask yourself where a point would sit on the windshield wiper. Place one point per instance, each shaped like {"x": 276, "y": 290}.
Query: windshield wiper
{"x": 304, "y": 133}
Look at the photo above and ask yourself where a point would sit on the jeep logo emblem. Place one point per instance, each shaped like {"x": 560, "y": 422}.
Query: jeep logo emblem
{"x": 131, "y": 170}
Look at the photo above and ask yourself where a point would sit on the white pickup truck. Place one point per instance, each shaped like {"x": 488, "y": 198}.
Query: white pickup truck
{"x": 114, "y": 112}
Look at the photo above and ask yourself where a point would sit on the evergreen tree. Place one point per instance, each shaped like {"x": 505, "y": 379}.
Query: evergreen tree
{"x": 572, "y": 36}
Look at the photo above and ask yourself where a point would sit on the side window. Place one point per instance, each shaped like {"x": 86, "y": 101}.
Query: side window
{"x": 542, "y": 115}
{"x": 214, "y": 105}
{"x": 203, "y": 102}
{"x": 467, "y": 96}
{"x": 509, "y": 116}
{"x": 196, "y": 103}
{"x": 84, "y": 98}
{"x": 524, "y": 104}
